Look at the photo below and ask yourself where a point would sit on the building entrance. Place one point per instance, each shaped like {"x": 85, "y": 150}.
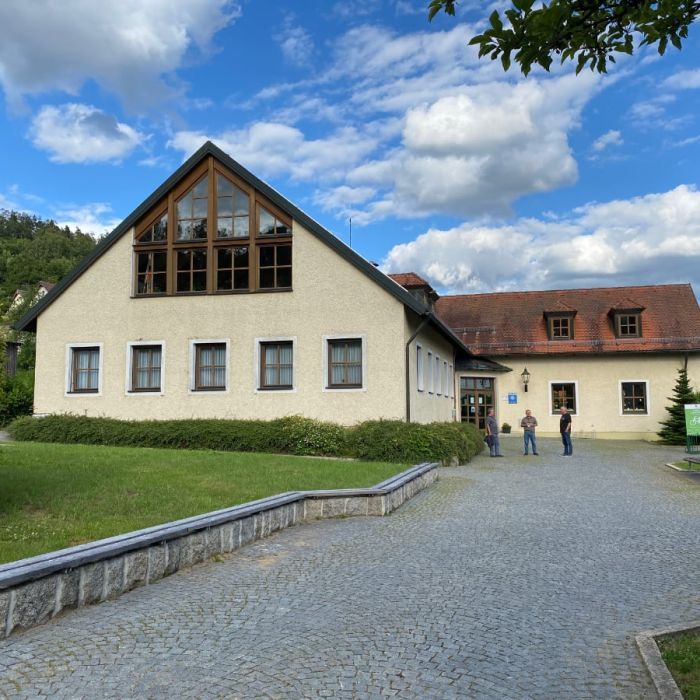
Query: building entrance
{"x": 475, "y": 399}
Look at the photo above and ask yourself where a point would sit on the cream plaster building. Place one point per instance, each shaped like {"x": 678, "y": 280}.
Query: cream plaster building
{"x": 218, "y": 298}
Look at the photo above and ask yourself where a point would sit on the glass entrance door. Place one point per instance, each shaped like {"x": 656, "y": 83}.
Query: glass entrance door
{"x": 475, "y": 399}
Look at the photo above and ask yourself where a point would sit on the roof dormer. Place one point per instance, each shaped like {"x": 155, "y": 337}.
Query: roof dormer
{"x": 626, "y": 318}
{"x": 560, "y": 321}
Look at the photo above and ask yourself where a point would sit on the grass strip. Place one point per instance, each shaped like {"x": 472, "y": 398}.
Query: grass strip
{"x": 681, "y": 653}
{"x": 54, "y": 496}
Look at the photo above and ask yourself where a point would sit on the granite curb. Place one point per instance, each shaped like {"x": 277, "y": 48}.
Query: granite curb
{"x": 36, "y": 589}
{"x": 649, "y": 650}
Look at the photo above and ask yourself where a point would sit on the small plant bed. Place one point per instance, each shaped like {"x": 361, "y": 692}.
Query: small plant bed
{"x": 681, "y": 654}
{"x": 56, "y": 496}
{"x": 686, "y": 466}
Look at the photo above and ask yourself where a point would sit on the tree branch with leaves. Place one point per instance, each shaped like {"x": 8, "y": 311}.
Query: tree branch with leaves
{"x": 591, "y": 32}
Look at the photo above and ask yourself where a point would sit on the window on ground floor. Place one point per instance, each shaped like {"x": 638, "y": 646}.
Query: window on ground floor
{"x": 209, "y": 366}
{"x": 276, "y": 364}
{"x": 344, "y": 363}
{"x": 84, "y": 370}
{"x": 146, "y": 363}
{"x": 634, "y": 398}
{"x": 563, "y": 394}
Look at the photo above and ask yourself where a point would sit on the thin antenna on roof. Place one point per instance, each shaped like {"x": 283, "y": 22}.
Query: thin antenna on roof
{"x": 350, "y": 220}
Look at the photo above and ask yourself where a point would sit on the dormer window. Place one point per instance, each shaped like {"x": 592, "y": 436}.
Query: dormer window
{"x": 627, "y": 326}
{"x": 560, "y": 324}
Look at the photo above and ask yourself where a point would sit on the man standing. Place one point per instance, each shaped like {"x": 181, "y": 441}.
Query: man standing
{"x": 492, "y": 432}
{"x": 565, "y": 430}
{"x": 528, "y": 424}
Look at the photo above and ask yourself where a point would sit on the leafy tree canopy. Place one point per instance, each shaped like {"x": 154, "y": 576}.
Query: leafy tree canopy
{"x": 33, "y": 250}
{"x": 588, "y": 31}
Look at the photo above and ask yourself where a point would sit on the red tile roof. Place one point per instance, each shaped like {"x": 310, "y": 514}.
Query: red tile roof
{"x": 508, "y": 323}
{"x": 409, "y": 280}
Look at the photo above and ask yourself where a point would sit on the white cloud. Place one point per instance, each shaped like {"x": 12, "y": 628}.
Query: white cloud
{"x": 95, "y": 218}
{"x": 683, "y": 80}
{"x": 129, "y": 48}
{"x": 609, "y": 138}
{"x": 645, "y": 240}
{"x": 295, "y": 43}
{"x": 269, "y": 148}
{"x": 78, "y": 133}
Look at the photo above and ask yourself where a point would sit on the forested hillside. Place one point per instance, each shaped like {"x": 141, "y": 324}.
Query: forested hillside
{"x": 34, "y": 250}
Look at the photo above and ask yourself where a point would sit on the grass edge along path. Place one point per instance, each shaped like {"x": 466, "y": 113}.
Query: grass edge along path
{"x": 681, "y": 654}
{"x": 55, "y": 496}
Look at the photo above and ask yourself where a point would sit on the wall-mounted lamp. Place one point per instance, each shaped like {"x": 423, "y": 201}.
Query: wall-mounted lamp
{"x": 525, "y": 375}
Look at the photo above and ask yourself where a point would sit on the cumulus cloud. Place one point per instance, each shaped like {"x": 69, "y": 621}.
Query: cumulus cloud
{"x": 78, "y": 133}
{"x": 683, "y": 80}
{"x": 270, "y": 148}
{"x": 645, "y": 240}
{"x": 95, "y": 218}
{"x": 126, "y": 47}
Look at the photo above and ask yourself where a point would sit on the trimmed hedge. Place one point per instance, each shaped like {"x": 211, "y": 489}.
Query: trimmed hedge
{"x": 382, "y": 440}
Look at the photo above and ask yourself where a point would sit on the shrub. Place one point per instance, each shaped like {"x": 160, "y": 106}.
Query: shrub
{"x": 382, "y": 440}
{"x": 16, "y": 396}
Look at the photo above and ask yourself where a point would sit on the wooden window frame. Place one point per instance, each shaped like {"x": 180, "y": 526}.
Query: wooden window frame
{"x": 261, "y": 345}
{"x": 645, "y": 396}
{"x": 420, "y": 369}
{"x": 329, "y": 342}
{"x": 575, "y": 409}
{"x": 72, "y": 352}
{"x": 196, "y": 346}
{"x": 553, "y": 321}
{"x": 619, "y": 317}
{"x": 168, "y": 207}
{"x": 133, "y": 349}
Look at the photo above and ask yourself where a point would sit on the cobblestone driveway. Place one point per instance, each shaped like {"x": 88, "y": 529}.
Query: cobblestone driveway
{"x": 525, "y": 577}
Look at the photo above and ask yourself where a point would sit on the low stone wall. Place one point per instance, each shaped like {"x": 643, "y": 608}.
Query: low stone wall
{"x": 36, "y": 589}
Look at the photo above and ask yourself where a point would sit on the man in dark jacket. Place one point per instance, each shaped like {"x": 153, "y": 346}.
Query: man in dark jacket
{"x": 565, "y": 430}
{"x": 492, "y": 433}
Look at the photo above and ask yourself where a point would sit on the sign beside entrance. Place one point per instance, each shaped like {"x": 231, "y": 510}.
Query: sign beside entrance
{"x": 512, "y": 398}
{"x": 692, "y": 418}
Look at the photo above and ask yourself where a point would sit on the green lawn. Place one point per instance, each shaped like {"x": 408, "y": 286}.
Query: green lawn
{"x": 686, "y": 465}
{"x": 54, "y": 496}
{"x": 681, "y": 653}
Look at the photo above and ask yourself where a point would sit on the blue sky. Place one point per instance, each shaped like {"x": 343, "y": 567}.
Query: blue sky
{"x": 477, "y": 179}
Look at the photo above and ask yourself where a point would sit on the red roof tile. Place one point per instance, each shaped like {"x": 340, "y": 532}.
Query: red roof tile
{"x": 409, "y": 279}
{"x": 508, "y": 323}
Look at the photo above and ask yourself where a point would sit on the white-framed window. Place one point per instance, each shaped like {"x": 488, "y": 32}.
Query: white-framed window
{"x": 345, "y": 362}
{"x": 634, "y": 397}
{"x": 209, "y": 365}
{"x": 420, "y": 374}
{"x": 451, "y": 379}
{"x": 145, "y": 367}
{"x": 84, "y": 369}
{"x": 438, "y": 376}
{"x": 431, "y": 382}
{"x": 274, "y": 364}
{"x": 564, "y": 392}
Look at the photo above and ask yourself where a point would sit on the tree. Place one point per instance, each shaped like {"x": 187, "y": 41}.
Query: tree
{"x": 673, "y": 430}
{"x": 590, "y": 31}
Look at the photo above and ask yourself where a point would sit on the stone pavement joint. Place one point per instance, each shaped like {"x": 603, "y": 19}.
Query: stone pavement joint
{"x": 528, "y": 578}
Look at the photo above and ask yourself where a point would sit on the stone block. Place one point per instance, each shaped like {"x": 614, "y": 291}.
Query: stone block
{"x": 376, "y": 505}
{"x": 274, "y": 520}
{"x": 174, "y": 556}
{"x": 247, "y": 530}
{"x": 34, "y": 602}
{"x": 212, "y": 538}
{"x": 4, "y": 609}
{"x": 357, "y": 505}
{"x": 156, "y": 562}
{"x": 91, "y": 582}
{"x": 69, "y": 590}
{"x": 113, "y": 582}
{"x": 136, "y": 571}
{"x": 334, "y": 507}
{"x": 193, "y": 549}
{"x": 313, "y": 508}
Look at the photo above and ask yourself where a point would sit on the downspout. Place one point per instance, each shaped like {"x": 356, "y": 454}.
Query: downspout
{"x": 408, "y": 368}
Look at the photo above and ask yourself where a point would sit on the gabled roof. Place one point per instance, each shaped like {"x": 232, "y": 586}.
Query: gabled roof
{"x": 513, "y": 323}
{"x": 28, "y": 321}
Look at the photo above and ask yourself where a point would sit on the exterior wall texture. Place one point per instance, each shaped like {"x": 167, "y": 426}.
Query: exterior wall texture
{"x": 427, "y": 405}
{"x": 330, "y": 298}
{"x": 598, "y": 392}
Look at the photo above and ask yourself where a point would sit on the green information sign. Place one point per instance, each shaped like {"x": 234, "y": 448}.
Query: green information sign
{"x": 692, "y": 418}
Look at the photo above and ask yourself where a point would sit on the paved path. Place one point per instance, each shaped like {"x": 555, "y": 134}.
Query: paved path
{"x": 510, "y": 578}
